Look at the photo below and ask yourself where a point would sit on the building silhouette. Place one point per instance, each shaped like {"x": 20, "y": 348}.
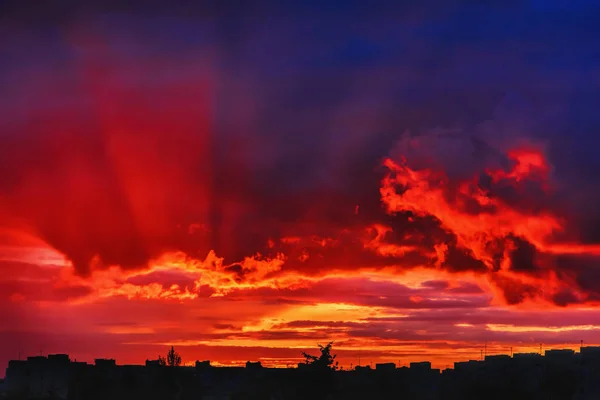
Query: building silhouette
{"x": 558, "y": 374}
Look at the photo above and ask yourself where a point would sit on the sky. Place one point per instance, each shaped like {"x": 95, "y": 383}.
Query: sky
{"x": 413, "y": 181}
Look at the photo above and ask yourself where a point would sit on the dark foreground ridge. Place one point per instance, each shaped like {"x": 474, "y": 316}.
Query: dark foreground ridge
{"x": 559, "y": 374}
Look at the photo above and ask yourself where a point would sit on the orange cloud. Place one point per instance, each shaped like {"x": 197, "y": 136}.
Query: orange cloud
{"x": 508, "y": 240}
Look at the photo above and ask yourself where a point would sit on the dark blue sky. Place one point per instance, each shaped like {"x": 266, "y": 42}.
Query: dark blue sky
{"x": 449, "y": 62}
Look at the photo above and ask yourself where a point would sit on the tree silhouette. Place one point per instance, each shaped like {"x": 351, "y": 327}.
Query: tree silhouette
{"x": 162, "y": 361}
{"x": 325, "y": 361}
{"x": 173, "y": 358}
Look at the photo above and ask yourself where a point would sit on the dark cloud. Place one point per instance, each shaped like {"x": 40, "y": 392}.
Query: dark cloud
{"x": 122, "y": 132}
{"x": 440, "y": 285}
{"x": 515, "y": 291}
{"x": 523, "y": 256}
{"x": 462, "y": 260}
{"x": 365, "y": 292}
{"x": 484, "y": 316}
{"x": 564, "y": 298}
{"x": 583, "y": 269}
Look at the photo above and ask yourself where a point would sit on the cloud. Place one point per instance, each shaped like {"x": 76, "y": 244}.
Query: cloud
{"x": 504, "y": 233}
{"x": 195, "y": 166}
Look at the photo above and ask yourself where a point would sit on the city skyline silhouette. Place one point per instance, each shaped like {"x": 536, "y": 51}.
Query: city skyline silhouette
{"x": 410, "y": 180}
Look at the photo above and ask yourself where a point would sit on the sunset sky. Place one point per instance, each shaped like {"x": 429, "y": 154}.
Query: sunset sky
{"x": 243, "y": 183}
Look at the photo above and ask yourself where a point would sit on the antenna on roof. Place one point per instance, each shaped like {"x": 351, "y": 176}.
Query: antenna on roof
{"x": 540, "y": 349}
{"x": 581, "y": 346}
{"x": 485, "y": 349}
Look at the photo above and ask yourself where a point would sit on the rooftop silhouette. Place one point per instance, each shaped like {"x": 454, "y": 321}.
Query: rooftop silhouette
{"x": 557, "y": 374}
